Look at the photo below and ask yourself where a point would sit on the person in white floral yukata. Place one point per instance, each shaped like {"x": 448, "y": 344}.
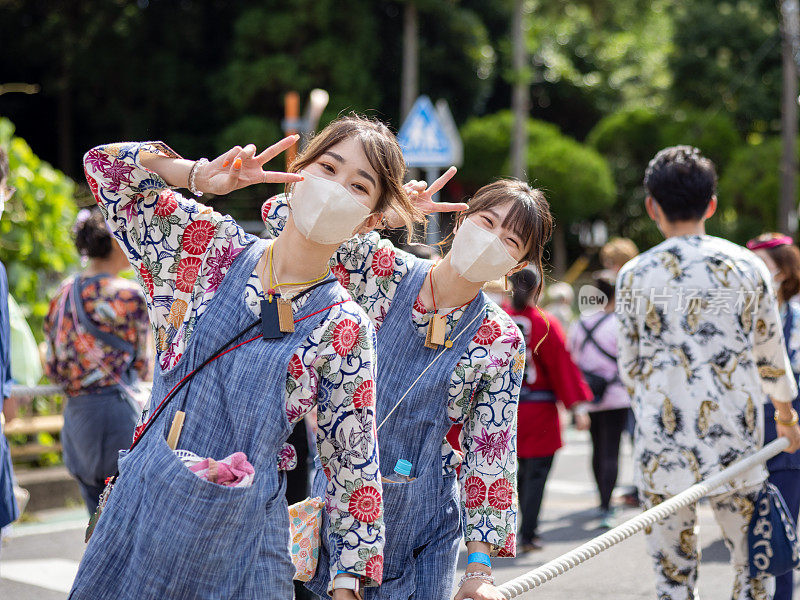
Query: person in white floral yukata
{"x": 204, "y": 278}
{"x": 700, "y": 349}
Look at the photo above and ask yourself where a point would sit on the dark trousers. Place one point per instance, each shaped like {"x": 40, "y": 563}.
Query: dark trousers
{"x": 96, "y": 427}
{"x": 788, "y": 482}
{"x": 532, "y": 476}
{"x": 606, "y": 430}
{"x": 297, "y": 486}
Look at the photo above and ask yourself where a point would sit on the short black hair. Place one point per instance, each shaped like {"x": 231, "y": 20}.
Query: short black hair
{"x": 92, "y": 237}
{"x": 605, "y": 281}
{"x": 682, "y": 181}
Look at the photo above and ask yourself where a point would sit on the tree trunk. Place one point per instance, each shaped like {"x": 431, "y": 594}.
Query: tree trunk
{"x": 519, "y": 98}
{"x": 410, "y": 73}
{"x": 787, "y": 210}
{"x": 559, "y": 245}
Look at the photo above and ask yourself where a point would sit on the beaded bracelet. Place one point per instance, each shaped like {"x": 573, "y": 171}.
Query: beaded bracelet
{"x": 792, "y": 420}
{"x": 476, "y": 575}
{"x": 193, "y": 174}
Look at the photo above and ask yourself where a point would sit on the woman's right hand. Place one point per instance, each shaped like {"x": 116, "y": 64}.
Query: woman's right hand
{"x": 240, "y": 167}
{"x": 421, "y": 196}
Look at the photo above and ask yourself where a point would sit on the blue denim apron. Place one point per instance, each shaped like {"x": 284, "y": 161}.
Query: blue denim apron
{"x": 166, "y": 533}
{"x": 423, "y": 516}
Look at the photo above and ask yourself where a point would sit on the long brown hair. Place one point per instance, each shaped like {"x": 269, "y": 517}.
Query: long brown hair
{"x": 383, "y": 153}
{"x": 529, "y": 217}
{"x": 787, "y": 259}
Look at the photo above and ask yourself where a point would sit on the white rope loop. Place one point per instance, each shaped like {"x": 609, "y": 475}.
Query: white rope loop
{"x": 558, "y": 566}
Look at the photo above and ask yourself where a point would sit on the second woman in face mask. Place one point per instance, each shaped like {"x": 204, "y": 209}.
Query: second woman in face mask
{"x": 446, "y": 355}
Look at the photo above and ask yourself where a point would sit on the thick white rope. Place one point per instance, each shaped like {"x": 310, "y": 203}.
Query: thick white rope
{"x": 573, "y": 558}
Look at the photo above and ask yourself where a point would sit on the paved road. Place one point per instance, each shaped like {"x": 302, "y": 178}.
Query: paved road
{"x": 40, "y": 559}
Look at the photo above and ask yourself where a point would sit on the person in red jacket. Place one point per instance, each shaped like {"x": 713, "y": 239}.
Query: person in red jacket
{"x": 551, "y": 377}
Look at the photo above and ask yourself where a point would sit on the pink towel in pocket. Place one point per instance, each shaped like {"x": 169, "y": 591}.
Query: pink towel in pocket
{"x": 232, "y": 471}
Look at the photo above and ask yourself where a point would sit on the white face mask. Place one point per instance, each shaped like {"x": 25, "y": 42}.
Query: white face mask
{"x": 479, "y": 255}
{"x": 324, "y": 211}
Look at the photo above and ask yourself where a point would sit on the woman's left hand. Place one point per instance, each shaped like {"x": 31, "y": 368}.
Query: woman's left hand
{"x": 477, "y": 589}
{"x": 422, "y": 196}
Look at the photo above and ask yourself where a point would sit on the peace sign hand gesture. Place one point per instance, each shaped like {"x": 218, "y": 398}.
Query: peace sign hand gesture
{"x": 421, "y": 196}
{"x": 240, "y": 167}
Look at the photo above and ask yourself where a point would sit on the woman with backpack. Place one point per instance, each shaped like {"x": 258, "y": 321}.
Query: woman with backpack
{"x": 551, "y": 377}
{"x": 98, "y": 344}
{"x": 593, "y": 341}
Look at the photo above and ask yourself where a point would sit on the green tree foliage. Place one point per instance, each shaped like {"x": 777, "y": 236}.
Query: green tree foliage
{"x": 593, "y": 57}
{"x": 748, "y": 193}
{"x": 726, "y": 56}
{"x": 35, "y": 232}
{"x": 576, "y": 178}
{"x": 630, "y": 138}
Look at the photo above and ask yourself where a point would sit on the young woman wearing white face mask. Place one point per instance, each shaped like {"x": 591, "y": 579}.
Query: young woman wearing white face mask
{"x": 165, "y": 532}
{"x": 446, "y": 355}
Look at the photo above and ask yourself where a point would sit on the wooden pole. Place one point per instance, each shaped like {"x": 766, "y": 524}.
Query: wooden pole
{"x": 519, "y": 98}
{"x": 291, "y": 103}
{"x": 787, "y": 210}
{"x": 410, "y": 72}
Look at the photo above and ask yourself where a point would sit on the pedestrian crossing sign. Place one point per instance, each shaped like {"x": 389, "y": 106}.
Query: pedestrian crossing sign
{"x": 424, "y": 138}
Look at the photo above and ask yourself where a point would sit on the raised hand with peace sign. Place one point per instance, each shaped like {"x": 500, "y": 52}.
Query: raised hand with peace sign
{"x": 422, "y": 197}
{"x": 240, "y": 167}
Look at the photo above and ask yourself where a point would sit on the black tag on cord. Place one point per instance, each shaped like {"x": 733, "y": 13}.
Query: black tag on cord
{"x": 270, "y": 324}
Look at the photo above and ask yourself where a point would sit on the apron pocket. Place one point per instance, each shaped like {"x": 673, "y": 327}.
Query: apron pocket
{"x": 407, "y": 509}
{"x": 196, "y": 537}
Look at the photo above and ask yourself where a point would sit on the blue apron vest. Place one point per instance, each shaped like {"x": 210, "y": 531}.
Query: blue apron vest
{"x": 166, "y": 533}
{"x": 423, "y": 514}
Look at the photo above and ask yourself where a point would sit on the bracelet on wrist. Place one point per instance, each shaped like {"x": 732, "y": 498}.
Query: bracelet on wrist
{"x": 193, "y": 176}
{"x": 480, "y": 558}
{"x": 485, "y": 577}
{"x": 793, "y": 419}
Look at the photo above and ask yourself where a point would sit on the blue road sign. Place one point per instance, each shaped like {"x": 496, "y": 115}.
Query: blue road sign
{"x": 424, "y": 138}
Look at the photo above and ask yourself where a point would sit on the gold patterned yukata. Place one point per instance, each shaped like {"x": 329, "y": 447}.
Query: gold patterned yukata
{"x": 700, "y": 348}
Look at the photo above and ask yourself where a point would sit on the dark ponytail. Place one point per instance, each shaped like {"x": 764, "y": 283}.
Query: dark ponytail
{"x": 92, "y": 237}
{"x": 524, "y": 286}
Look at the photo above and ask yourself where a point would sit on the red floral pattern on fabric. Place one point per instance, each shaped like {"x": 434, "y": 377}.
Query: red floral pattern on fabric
{"x": 488, "y": 332}
{"x": 364, "y": 396}
{"x": 383, "y": 262}
{"x": 345, "y": 336}
{"x": 166, "y": 204}
{"x": 476, "y": 492}
{"x": 265, "y": 211}
{"x": 76, "y": 360}
{"x": 419, "y": 306}
{"x": 365, "y": 504}
{"x": 188, "y": 270}
{"x": 197, "y": 236}
{"x": 147, "y": 278}
{"x": 295, "y": 367}
{"x": 509, "y": 549}
{"x": 341, "y": 274}
{"x": 374, "y": 569}
{"x": 92, "y": 186}
{"x": 500, "y": 493}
